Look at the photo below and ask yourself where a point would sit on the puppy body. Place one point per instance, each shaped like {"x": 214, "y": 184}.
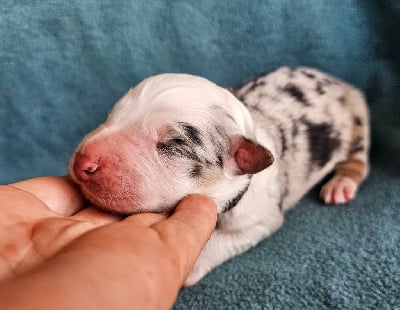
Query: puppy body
{"x": 174, "y": 135}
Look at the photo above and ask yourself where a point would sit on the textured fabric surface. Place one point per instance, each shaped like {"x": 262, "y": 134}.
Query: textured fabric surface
{"x": 63, "y": 64}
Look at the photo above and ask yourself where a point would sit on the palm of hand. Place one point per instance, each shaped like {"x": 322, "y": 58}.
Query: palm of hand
{"x": 48, "y": 240}
{"x": 38, "y": 219}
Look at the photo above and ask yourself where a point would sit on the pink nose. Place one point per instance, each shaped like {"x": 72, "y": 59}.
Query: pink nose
{"x": 84, "y": 166}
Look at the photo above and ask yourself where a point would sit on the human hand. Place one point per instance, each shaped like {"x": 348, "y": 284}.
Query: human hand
{"x": 54, "y": 253}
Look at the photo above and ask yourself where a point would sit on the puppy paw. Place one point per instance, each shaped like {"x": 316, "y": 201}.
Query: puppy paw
{"x": 340, "y": 189}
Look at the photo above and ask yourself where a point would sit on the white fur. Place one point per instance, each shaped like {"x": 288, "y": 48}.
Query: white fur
{"x": 145, "y": 112}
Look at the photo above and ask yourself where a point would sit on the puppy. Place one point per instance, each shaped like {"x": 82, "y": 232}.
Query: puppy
{"x": 255, "y": 150}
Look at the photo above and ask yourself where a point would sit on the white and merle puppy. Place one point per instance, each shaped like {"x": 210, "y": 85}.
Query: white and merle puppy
{"x": 255, "y": 151}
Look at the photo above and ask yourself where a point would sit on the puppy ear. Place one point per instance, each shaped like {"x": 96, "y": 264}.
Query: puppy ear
{"x": 247, "y": 156}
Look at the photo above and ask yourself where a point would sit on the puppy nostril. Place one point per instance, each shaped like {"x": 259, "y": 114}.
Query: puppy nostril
{"x": 91, "y": 169}
{"x": 85, "y": 167}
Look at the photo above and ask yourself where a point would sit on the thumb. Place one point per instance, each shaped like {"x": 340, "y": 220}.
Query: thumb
{"x": 187, "y": 230}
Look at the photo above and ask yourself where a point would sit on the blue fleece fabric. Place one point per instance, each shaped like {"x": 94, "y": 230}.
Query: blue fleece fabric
{"x": 63, "y": 64}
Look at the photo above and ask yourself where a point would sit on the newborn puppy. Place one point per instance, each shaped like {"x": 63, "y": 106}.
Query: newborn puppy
{"x": 255, "y": 151}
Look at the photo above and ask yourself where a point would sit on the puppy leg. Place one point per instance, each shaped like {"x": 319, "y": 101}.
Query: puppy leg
{"x": 351, "y": 172}
{"x": 224, "y": 245}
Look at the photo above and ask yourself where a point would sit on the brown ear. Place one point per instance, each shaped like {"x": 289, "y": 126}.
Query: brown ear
{"x": 249, "y": 156}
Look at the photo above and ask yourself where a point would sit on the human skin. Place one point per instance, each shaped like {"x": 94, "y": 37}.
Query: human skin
{"x": 57, "y": 254}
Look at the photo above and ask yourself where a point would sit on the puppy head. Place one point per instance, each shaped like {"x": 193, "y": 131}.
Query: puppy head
{"x": 172, "y": 135}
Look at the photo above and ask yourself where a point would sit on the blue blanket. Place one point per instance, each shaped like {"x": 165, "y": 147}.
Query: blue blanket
{"x": 63, "y": 64}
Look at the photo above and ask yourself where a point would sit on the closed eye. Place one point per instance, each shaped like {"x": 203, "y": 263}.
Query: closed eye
{"x": 177, "y": 141}
{"x": 172, "y": 145}
{"x": 177, "y": 147}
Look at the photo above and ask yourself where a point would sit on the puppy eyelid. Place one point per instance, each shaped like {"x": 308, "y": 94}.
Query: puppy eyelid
{"x": 178, "y": 141}
{"x": 171, "y": 145}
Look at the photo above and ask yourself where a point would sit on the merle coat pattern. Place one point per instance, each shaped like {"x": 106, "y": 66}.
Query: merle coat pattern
{"x": 255, "y": 151}
{"x": 316, "y": 119}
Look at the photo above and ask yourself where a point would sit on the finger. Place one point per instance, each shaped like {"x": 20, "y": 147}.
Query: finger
{"x": 60, "y": 194}
{"x": 188, "y": 229}
{"x": 146, "y": 219}
{"x": 96, "y": 216}
{"x": 17, "y": 205}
